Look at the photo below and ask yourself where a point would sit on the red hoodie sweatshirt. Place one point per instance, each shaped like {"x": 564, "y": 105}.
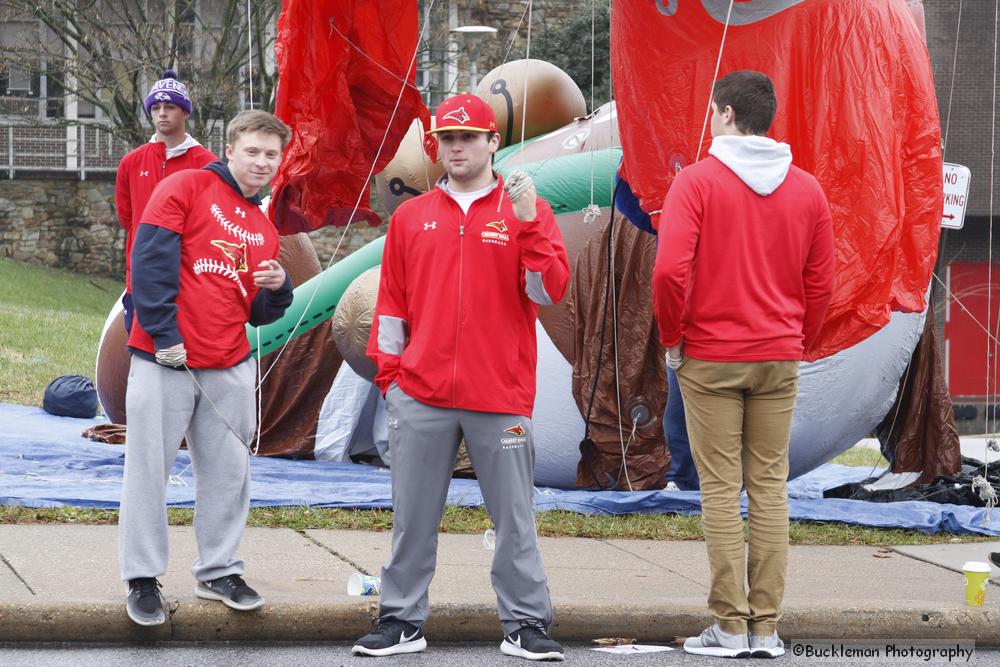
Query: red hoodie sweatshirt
{"x": 740, "y": 275}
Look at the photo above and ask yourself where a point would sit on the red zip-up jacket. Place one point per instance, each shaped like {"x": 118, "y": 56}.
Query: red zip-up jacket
{"x": 454, "y": 323}
{"x": 740, "y": 276}
{"x": 139, "y": 172}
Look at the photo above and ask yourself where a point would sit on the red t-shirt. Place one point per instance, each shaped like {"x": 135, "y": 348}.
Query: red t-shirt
{"x": 223, "y": 239}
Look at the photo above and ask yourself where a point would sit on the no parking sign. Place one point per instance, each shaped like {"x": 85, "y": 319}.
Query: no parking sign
{"x": 956, "y": 195}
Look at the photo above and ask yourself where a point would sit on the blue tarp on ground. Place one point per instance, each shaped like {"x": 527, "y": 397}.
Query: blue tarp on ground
{"x": 44, "y": 462}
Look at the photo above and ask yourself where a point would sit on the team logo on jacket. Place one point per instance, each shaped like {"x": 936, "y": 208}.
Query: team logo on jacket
{"x": 237, "y": 254}
{"x": 518, "y": 437}
{"x": 496, "y": 234}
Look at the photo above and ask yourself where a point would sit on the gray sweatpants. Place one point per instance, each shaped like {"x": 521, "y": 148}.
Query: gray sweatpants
{"x": 423, "y": 441}
{"x": 165, "y": 406}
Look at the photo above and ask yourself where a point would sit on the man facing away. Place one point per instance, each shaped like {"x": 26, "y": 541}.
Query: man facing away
{"x": 743, "y": 276}
{"x": 454, "y": 341}
{"x": 204, "y": 260}
{"x": 171, "y": 149}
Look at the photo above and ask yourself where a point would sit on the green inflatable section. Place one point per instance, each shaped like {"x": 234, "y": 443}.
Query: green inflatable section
{"x": 327, "y": 287}
{"x": 564, "y": 181}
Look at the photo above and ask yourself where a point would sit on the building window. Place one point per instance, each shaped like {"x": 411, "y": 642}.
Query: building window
{"x": 53, "y": 96}
{"x": 19, "y": 82}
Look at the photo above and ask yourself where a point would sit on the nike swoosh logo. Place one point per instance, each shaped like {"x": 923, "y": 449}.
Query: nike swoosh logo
{"x": 403, "y": 638}
{"x": 518, "y": 642}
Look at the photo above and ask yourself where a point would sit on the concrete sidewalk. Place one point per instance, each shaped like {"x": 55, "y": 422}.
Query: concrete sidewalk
{"x": 60, "y": 583}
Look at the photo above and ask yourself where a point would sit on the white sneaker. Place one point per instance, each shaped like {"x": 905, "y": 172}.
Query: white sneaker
{"x": 764, "y": 646}
{"x": 671, "y": 486}
{"x": 715, "y": 642}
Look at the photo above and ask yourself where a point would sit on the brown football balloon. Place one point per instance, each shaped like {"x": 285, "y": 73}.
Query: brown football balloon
{"x": 409, "y": 173}
{"x": 553, "y": 97}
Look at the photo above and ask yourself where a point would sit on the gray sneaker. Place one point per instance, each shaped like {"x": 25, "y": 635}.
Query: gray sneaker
{"x": 764, "y": 646}
{"x": 144, "y": 605}
{"x": 715, "y": 642}
{"x": 231, "y": 591}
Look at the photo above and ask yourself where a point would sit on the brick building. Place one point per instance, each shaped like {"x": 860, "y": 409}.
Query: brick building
{"x": 961, "y": 50}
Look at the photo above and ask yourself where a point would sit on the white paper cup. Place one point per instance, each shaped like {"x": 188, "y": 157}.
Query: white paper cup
{"x": 363, "y": 584}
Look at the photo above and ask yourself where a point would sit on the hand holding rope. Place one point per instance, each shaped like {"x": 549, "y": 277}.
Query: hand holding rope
{"x": 521, "y": 191}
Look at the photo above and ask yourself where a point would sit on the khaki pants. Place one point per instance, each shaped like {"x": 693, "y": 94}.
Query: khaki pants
{"x": 739, "y": 416}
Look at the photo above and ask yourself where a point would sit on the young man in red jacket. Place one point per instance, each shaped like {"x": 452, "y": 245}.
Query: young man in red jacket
{"x": 171, "y": 149}
{"x": 454, "y": 340}
{"x": 205, "y": 265}
{"x": 743, "y": 276}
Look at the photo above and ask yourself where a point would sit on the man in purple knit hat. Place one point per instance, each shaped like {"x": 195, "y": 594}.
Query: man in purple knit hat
{"x": 171, "y": 149}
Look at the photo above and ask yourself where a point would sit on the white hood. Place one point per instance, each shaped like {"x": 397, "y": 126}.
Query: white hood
{"x": 760, "y": 162}
{"x": 181, "y": 148}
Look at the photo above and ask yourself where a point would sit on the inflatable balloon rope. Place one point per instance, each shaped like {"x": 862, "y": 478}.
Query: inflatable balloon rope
{"x": 325, "y": 292}
{"x": 182, "y": 360}
{"x": 520, "y": 175}
{"x": 593, "y": 211}
{"x": 718, "y": 62}
{"x": 322, "y": 276}
{"x": 369, "y": 255}
{"x": 591, "y": 214}
{"x": 991, "y": 414}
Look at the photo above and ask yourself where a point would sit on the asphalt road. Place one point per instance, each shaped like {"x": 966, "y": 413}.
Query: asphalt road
{"x": 332, "y": 655}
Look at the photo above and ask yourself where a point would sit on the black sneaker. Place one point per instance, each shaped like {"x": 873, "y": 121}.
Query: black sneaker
{"x": 532, "y": 642}
{"x": 145, "y": 606}
{"x": 231, "y": 591}
{"x": 391, "y": 637}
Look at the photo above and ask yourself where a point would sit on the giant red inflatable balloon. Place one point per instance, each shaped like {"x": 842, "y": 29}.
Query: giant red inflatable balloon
{"x": 856, "y": 102}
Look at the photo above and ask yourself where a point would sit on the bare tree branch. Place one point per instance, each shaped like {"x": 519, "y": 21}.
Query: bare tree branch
{"x": 108, "y": 52}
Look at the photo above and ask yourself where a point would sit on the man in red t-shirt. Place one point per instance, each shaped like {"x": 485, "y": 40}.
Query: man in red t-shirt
{"x": 170, "y": 150}
{"x": 205, "y": 265}
{"x": 743, "y": 276}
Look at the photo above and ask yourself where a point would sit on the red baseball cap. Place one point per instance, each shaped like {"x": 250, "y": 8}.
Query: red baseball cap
{"x": 464, "y": 112}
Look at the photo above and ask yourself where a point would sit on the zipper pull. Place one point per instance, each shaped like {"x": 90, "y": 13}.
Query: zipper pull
{"x": 461, "y": 230}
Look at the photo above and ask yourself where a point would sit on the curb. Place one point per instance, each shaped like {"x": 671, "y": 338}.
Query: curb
{"x": 106, "y": 622}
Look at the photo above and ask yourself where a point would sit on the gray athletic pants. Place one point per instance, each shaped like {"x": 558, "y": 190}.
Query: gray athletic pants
{"x": 164, "y": 406}
{"x": 423, "y": 441}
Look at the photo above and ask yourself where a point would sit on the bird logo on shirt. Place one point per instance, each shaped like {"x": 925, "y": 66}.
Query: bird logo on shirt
{"x": 498, "y": 225}
{"x": 237, "y": 254}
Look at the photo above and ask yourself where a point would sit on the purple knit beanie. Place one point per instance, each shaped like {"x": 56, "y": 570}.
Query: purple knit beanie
{"x": 168, "y": 89}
